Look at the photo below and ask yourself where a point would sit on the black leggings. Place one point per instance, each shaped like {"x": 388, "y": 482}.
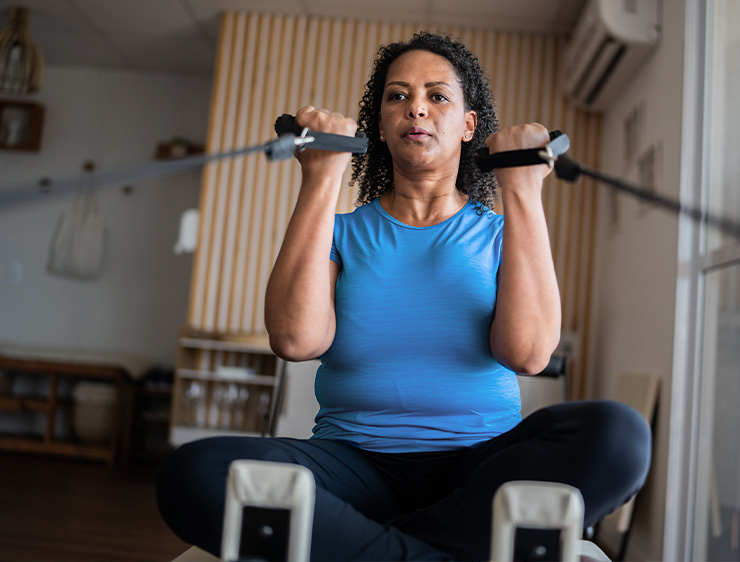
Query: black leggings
{"x": 418, "y": 506}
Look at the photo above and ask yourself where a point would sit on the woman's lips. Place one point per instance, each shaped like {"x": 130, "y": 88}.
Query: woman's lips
{"x": 416, "y": 133}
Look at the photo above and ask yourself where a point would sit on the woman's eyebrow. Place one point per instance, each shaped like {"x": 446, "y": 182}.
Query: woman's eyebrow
{"x": 427, "y": 85}
{"x": 439, "y": 83}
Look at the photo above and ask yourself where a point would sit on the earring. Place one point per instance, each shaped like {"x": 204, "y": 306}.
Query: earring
{"x": 382, "y": 138}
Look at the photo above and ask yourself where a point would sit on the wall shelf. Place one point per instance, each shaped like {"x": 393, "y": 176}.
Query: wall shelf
{"x": 196, "y": 374}
{"x": 21, "y": 125}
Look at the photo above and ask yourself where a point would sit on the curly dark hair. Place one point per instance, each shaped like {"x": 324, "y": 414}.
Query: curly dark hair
{"x": 373, "y": 171}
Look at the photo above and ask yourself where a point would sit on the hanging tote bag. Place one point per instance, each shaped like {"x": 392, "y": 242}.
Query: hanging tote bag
{"x": 77, "y": 247}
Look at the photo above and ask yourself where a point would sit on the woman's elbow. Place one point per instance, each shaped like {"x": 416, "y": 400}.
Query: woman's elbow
{"x": 531, "y": 365}
{"x": 525, "y": 360}
{"x": 290, "y": 350}
{"x": 296, "y": 347}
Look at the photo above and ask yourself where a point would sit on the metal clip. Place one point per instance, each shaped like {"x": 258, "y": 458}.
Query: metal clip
{"x": 547, "y": 156}
{"x": 303, "y": 140}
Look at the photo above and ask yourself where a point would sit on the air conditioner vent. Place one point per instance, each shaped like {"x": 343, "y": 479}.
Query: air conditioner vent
{"x": 607, "y": 46}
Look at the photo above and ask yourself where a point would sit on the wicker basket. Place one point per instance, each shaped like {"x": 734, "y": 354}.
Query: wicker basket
{"x": 94, "y": 404}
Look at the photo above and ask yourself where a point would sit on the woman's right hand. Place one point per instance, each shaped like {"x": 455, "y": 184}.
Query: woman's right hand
{"x": 324, "y": 162}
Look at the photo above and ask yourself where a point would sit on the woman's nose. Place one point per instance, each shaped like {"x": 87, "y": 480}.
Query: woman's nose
{"x": 417, "y": 110}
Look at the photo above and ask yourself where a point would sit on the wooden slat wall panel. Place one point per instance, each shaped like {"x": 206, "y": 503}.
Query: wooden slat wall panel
{"x": 272, "y": 64}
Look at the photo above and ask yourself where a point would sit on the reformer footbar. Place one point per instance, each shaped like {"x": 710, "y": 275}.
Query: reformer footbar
{"x": 269, "y": 518}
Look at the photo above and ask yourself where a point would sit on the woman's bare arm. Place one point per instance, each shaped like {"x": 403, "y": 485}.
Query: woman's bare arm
{"x": 526, "y": 326}
{"x": 299, "y": 302}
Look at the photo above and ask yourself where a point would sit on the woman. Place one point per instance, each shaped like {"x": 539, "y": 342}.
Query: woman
{"x": 422, "y": 305}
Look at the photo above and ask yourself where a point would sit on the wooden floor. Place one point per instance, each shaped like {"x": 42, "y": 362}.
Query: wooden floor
{"x": 62, "y": 510}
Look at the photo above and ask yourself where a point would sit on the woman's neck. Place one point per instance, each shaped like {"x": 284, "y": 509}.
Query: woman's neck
{"x": 422, "y": 203}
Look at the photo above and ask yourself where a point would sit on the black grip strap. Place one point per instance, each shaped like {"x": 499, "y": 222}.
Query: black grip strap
{"x": 285, "y": 124}
{"x": 507, "y": 159}
{"x": 559, "y": 144}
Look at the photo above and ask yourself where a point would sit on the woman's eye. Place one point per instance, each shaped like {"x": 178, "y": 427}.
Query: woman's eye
{"x": 396, "y": 96}
{"x": 439, "y": 97}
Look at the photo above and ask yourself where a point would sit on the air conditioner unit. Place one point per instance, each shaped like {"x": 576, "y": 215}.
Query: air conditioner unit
{"x": 610, "y": 40}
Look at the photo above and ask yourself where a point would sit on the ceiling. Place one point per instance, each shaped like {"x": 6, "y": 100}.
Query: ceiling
{"x": 181, "y": 35}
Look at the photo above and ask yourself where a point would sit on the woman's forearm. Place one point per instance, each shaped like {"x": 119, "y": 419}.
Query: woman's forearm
{"x": 526, "y": 327}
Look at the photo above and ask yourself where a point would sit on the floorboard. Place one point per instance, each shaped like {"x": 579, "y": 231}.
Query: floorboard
{"x": 69, "y": 510}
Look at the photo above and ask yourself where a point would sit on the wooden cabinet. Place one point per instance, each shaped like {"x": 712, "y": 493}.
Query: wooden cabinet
{"x": 50, "y": 404}
{"x": 224, "y": 385}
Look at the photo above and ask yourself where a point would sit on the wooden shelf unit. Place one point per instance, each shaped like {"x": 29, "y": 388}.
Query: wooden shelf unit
{"x": 225, "y": 385}
{"x": 49, "y": 404}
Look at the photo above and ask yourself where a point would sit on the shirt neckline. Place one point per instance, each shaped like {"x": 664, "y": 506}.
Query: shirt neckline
{"x": 385, "y": 214}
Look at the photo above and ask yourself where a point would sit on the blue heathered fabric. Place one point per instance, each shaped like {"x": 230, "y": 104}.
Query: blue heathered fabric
{"x": 410, "y": 368}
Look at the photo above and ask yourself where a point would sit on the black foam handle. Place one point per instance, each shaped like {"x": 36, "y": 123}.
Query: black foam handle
{"x": 285, "y": 124}
{"x": 559, "y": 143}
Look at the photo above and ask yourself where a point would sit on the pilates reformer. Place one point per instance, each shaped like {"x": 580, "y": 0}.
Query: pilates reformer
{"x": 269, "y": 508}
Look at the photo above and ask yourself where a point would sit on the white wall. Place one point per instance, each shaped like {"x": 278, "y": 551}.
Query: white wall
{"x": 634, "y": 296}
{"x": 138, "y": 304}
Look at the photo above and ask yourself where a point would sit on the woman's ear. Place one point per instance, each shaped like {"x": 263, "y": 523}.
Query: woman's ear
{"x": 471, "y": 122}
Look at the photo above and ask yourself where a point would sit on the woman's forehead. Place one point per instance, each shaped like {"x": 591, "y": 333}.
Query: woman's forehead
{"x": 434, "y": 67}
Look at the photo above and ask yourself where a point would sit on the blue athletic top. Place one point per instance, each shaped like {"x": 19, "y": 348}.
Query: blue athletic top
{"x": 410, "y": 367}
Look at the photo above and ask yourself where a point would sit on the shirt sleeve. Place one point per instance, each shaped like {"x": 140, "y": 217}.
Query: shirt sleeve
{"x": 334, "y": 254}
{"x": 497, "y": 248}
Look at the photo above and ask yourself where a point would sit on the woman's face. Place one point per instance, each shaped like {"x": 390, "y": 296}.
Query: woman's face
{"x": 422, "y": 115}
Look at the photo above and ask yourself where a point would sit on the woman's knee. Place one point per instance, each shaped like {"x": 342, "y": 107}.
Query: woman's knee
{"x": 623, "y": 438}
{"x": 609, "y": 435}
{"x": 190, "y": 463}
{"x": 191, "y": 485}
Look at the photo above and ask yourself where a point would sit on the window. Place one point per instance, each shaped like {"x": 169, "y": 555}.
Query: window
{"x": 703, "y": 511}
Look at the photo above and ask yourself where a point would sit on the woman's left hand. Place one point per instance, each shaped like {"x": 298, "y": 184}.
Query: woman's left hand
{"x": 519, "y": 137}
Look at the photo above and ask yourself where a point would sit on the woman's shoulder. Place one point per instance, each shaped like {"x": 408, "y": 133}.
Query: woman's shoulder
{"x": 360, "y": 213}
